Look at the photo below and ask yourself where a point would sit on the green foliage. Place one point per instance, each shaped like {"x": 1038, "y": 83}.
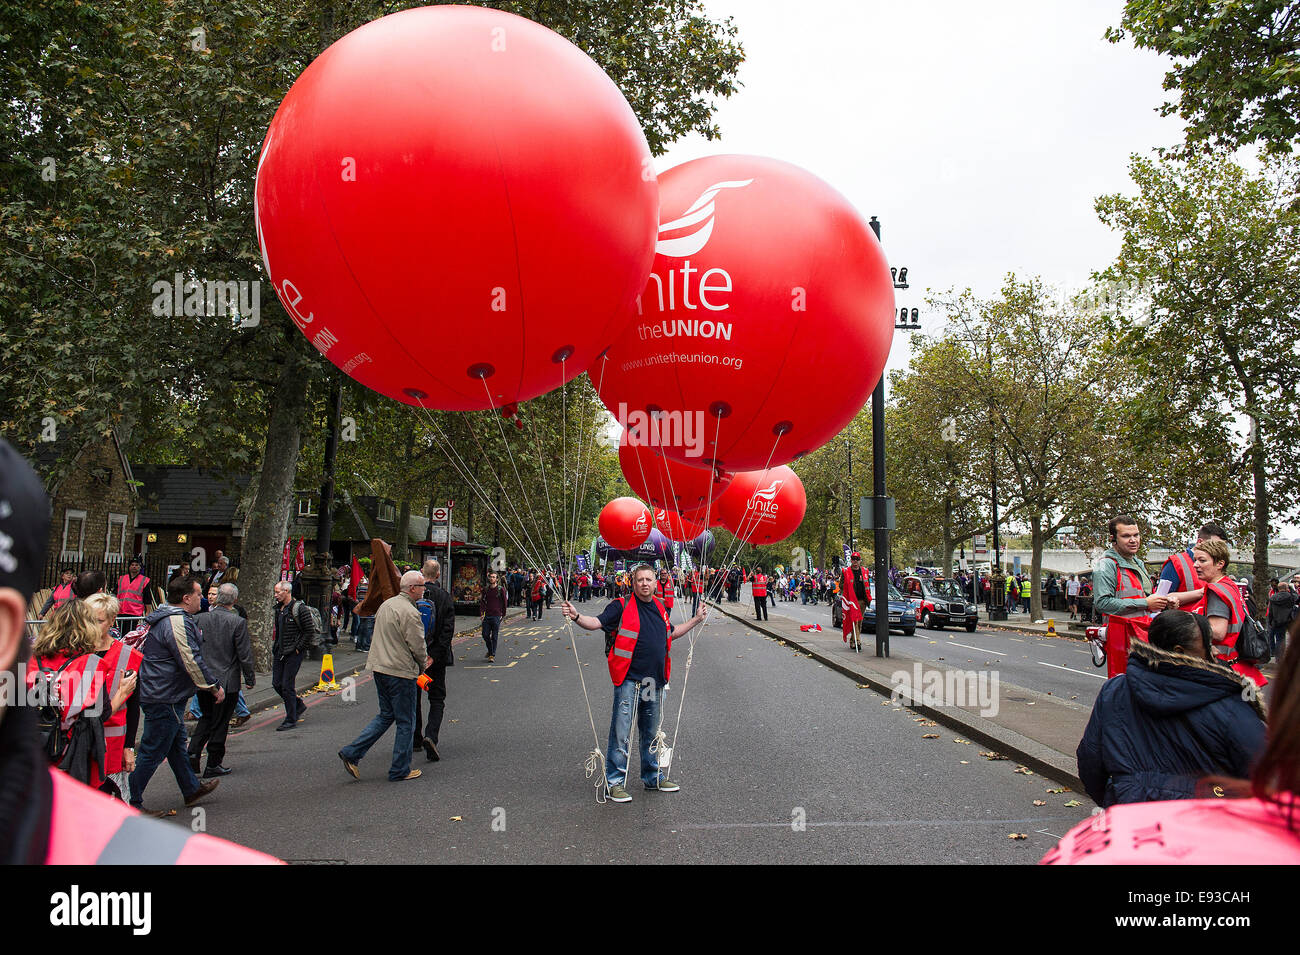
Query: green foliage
{"x": 1216, "y": 251}
{"x": 1236, "y": 70}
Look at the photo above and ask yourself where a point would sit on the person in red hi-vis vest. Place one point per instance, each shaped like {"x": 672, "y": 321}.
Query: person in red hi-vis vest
{"x": 697, "y": 588}
{"x": 665, "y": 590}
{"x": 1122, "y": 591}
{"x": 855, "y": 597}
{"x": 1180, "y": 570}
{"x": 1222, "y": 604}
{"x": 638, "y": 638}
{"x": 758, "y": 587}
{"x": 133, "y": 590}
{"x": 47, "y": 816}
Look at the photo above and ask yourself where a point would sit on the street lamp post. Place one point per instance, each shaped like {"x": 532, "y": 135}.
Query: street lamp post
{"x": 879, "y": 500}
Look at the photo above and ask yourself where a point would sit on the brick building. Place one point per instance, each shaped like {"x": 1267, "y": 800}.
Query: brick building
{"x": 93, "y": 503}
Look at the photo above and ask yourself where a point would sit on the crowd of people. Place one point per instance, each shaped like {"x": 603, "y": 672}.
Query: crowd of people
{"x": 1181, "y": 724}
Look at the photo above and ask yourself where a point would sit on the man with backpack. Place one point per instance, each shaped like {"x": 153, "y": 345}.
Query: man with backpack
{"x": 295, "y": 631}
{"x": 438, "y": 613}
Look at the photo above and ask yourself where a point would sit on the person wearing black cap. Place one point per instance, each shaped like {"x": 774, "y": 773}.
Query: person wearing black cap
{"x": 46, "y": 816}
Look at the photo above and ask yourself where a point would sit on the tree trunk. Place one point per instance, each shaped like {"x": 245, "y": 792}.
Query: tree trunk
{"x": 947, "y": 537}
{"x": 268, "y": 519}
{"x": 821, "y": 549}
{"x": 401, "y": 540}
{"x": 1260, "y": 478}
{"x": 1035, "y": 569}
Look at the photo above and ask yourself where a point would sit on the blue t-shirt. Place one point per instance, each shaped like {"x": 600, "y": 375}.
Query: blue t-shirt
{"x": 651, "y": 653}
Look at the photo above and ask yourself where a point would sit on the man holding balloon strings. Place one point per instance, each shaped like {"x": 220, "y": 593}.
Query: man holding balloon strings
{"x": 638, "y": 639}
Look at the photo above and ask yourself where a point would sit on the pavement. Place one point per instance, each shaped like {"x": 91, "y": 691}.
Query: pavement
{"x": 1040, "y": 730}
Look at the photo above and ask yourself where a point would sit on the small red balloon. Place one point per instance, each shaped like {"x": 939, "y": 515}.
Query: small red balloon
{"x": 624, "y": 523}
{"x": 457, "y": 207}
{"x": 764, "y": 507}
{"x": 768, "y": 287}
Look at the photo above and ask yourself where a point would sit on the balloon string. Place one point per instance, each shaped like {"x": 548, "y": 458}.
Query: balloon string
{"x": 457, "y": 462}
{"x": 568, "y": 625}
{"x": 580, "y": 485}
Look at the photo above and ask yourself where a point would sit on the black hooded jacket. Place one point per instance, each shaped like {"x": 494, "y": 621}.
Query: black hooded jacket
{"x": 1170, "y": 720}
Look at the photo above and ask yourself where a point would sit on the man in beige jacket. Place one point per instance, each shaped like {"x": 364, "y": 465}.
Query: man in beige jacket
{"x": 397, "y": 656}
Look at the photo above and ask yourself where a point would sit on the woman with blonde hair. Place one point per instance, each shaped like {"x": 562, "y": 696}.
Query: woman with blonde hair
{"x": 119, "y": 665}
{"x": 64, "y": 660}
{"x": 1223, "y": 604}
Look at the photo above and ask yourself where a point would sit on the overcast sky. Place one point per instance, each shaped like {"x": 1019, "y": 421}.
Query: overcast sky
{"x": 979, "y": 133}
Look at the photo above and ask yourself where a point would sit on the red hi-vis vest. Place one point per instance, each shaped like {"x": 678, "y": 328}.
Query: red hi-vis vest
{"x": 62, "y": 594}
{"x": 620, "y": 655}
{"x": 666, "y": 592}
{"x": 1188, "y": 578}
{"x": 78, "y": 692}
{"x": 1228, "y": 591}
{"x": 91, "y": 828}
{"x": 130, "y": 593}
{"x": 117, "y": 659}
{"x": 696, "y": 584}
{"x": 760, "y": 585}
{"x": 1119, "y": 629}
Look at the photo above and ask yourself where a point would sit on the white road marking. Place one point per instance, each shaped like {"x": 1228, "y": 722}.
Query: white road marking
{"x": 954, "y": 643}
{"x": 1057, "y": 666}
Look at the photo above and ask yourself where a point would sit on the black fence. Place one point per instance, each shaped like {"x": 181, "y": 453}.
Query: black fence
{"x": 154, "y": 568}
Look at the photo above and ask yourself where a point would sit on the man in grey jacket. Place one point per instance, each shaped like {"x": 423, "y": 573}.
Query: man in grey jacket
{"x": 397, "y": 655}
{"x": 227, "y": 652}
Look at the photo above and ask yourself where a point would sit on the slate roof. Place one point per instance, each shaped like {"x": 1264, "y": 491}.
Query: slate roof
{"x": 173, "y": 496}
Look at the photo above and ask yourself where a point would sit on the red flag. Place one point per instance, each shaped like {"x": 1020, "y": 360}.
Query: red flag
{"x": 300, "y": 560}
{"x": 354, "y": 577}
{"x": 284, "y": 563}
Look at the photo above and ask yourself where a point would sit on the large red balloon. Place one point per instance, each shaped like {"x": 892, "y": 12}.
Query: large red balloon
{"x": 767, "y": 284}
{"x": 624, "y": 523}
{"x": 675, "y": 527}
{"x": 451, "y": 198}
{"x": 665, "y": 482}
{"x": 764, "y": 507}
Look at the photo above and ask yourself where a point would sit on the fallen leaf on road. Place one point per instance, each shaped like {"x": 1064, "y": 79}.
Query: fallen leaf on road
{"x": 1040, "y": 802}
{"x": 1017, "y": 835}
{"x": 1031, "y": 704}
{"x": 992, "y": 755}
{"x": 1063, "y": 789}
{"x": 957, "y": 739}
{"x": 456, "y": 819}
{"x": 1024, "y": 771}
{"x": 930, "y": 736}
{"x": 886, "y": 703}
{"x": 1074, "y": 802}
{"x": 965, "y": 762}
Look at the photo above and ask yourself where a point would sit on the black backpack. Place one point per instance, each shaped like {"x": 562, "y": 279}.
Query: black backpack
{"x": 1252, "y": 643}
{"x": 54, "y": 741}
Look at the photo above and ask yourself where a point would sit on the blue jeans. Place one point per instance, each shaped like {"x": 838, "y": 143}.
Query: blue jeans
{"x": 628, "y": 695}
{"x": 396, "y": 705}
{"x": 241, "y": 708}
{"x": 491, "y": 630}
{"x": 163, "y": 739}
{"x": 193, "y": 707}
{"x": 364, "y": 632}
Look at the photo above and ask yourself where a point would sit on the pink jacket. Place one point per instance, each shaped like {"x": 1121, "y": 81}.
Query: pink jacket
{"x": 1182, "y": 832}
